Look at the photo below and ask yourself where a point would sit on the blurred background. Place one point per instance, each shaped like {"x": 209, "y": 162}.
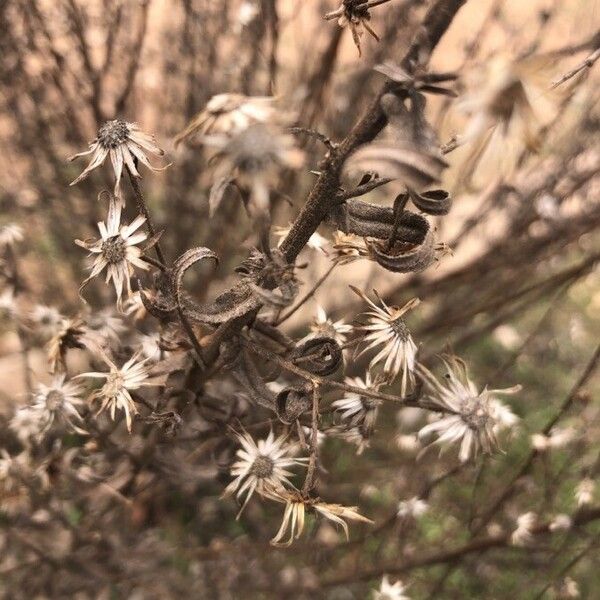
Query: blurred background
{"x": 518, "y": 296}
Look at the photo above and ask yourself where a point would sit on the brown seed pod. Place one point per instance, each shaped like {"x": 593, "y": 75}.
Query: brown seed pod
{"x": 292, "y": 402}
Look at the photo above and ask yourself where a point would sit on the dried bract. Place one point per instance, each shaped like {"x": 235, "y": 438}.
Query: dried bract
{"x": 295, "y": 510}
{"x": 355, "y": 15}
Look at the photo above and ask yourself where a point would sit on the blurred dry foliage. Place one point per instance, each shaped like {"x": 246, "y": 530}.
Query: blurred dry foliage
{"x": 474, "y": 152}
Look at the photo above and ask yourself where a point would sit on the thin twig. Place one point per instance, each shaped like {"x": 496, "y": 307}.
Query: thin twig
{"x": 413, "y": 399}
{"x": 308, "y": 295}
{"x": 582, "y": 517}
{"x": 588, "y": 63}
{"x": 143, "y": 209}
{"x": 309, "y": 482}
{"x": 365, "y": 188}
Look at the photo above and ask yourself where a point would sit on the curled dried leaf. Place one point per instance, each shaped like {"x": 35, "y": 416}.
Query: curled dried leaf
{"x": 404, "y": 257}
{"x": 292, "y": 402}
{"x": 319, "y": 355}
{"x": 433, "y": 202}
{"x": 183, "y": 263}
{"x": 247, "y": 375}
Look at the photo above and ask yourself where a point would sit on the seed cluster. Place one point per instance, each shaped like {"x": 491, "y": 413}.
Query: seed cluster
{"x": 114, "y": 250}
{"x": 399, "y": 327}
{"x": 113, "y": 133}
{"x": 475, "y": 414}
{"x": 54, "y": 400}
{"x": 262, "y": 466}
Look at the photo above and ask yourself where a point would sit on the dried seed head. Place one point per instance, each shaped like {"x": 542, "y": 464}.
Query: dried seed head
{"x": 370, "y": 403}
{"x": 114, "y": 385}
{"x": 54, "y": 400}
{"x": 400, "y": 329}
{"x": 114, "y": 250}
{"x": 475, "y": 414}
{"x": 262, "y": 466}
{"x": 113, "y": 133}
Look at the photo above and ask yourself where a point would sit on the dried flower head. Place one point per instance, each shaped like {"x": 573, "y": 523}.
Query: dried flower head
{"x": 505, "y": 90}
{"x": 295, "y": 511}
{"x": 356, "y": 409}
{"x": 229, "y": 114}
{"x": 559, "y": 437}
{"x": 390, "y": 591}
{"x": 584, "y": 492}
{"x": 106, "y": 325}
{"x": 58, "y": 402}
{"x": 508, "y": 103}
{"x": 46, "y": 320}
{"x": 386, "y": 327}
{"x": 9, "y": 308}
{"x": 116, "y": 251}
{"x": 523, "y": 534}
{"x": 72, "y": 333}
{"x": 475, "y": 419}
{"x": 10, "y": 234}
{"x": 412, "y": 508}
{"x": 323, "y": 326}
{"x": 17, "y": 474}
{"x": 125, "y": 143}
{"x": 116, "y": 391}
{"x": 254, "y": 158}
{"x": 355, "y": 15}
{"x": 560, "y": 522}
{"x": 262, "y": 467}
{"x": 27, "y": 424}
{"x": 357, "y": 436}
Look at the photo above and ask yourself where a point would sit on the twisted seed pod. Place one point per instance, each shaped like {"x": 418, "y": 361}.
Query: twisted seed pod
{"x": 231, "y": 304}
{"x": 369, "y": 220}
{"x": 403, "y": 257}
{"x": 293, "y": 402}
{"x": 319, "y": 356}
{"x": 183, "y": 263}
{"x": 433, "y": 202}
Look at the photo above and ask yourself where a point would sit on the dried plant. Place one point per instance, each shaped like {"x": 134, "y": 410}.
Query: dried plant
{"x": 247, "y": 407}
